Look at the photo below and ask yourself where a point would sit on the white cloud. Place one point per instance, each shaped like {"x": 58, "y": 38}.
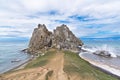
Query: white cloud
{"x": 24, "y": 15}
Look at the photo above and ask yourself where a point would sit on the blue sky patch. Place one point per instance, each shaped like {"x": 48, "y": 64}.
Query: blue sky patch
{"x": 62, "y": 21}
{"x": 82, "y": 18}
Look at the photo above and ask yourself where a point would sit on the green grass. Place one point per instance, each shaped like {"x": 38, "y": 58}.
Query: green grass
{"x": 75, "y": 65}
{"x": 41, "y": 60}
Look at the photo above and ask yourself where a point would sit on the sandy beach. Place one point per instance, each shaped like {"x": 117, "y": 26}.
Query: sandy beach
{"x": 104, "y": 67}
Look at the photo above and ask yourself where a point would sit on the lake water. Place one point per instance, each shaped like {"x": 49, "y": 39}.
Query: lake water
{"x": 11, "y": 51}
{"x": 112, "y": 46}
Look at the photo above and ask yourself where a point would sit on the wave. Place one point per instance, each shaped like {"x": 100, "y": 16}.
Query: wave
{"x": 104, "y": 47}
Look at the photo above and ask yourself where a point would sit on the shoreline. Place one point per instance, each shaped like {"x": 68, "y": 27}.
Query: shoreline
{"x": 20, "y": 66}
{"x": 100, "y": 66}
{"x": 105, "y": 68}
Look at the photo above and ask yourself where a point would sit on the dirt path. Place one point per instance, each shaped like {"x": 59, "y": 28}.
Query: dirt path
{"x": 55, "y": 65}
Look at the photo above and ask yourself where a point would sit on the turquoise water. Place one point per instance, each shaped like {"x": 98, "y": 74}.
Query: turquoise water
{"x": 11, "y": 51}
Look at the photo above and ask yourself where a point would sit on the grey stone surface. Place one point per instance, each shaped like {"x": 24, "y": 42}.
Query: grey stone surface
{"x": 102, "y": 53}
{"x": 61, "y": 38}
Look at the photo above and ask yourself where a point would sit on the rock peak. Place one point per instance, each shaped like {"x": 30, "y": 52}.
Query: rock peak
{"x": 42, "y": 26}
{"x": 61, "y": 38}
{"x": 63, "y": 26}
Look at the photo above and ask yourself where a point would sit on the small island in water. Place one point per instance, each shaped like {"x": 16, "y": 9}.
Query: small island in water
{"x": 59, "y": 55}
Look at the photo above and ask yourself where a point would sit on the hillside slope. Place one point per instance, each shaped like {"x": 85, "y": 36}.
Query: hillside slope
{"x": 57, "y": 65}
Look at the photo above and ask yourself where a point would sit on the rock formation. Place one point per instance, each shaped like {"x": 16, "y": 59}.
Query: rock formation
{"x": 65, "y": 39}
{"x": 61, "y": 38}
{"x": 40, "y": 39}
{"x": 102, "y": 53}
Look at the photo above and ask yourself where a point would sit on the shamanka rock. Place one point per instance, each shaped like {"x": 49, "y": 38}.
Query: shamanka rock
{"x": 61, "y": 38}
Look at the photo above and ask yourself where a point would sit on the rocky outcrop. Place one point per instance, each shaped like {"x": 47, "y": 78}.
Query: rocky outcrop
{"x": 41, "y": 38}
{"x": 61, "y": 38}
{"x": 65, "y": 39}
{"x": 102, "y": 53}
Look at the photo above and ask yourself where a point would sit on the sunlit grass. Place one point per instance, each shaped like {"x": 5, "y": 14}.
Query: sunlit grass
{"x": 41, "y": 60}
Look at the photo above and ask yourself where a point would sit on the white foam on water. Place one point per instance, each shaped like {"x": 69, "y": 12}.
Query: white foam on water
{"x": 104, "y": 47}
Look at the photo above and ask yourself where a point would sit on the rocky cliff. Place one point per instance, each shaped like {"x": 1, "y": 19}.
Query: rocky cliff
{"x": 65, "y": 39}
{"x": 61, "y": 38}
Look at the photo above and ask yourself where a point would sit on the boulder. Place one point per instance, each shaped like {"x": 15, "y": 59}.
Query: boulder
{"x": 102, "y": 53}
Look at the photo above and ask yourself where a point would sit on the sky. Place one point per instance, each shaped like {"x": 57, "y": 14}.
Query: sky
{"x": 86, "y": 18}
